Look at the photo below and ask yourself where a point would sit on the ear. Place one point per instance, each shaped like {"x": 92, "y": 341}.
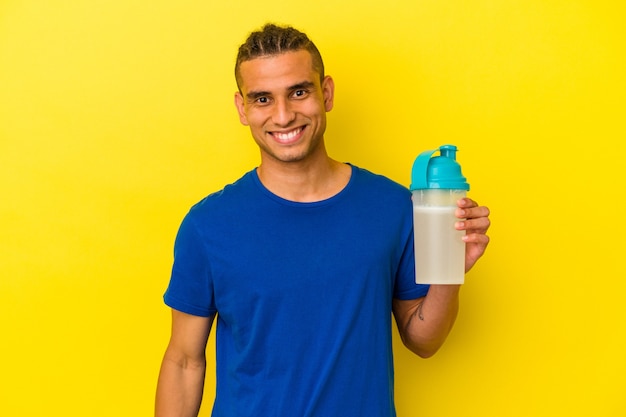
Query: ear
{"x": 241, "y": 108}
{"x": 328, "y": 89}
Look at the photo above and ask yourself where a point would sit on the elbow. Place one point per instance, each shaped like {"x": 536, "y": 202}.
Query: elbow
{"x": 425, "y": 354}
{"x": 184, "y": 360}
{"x": 422, "y": 347}
{"x": 423, "y": 351}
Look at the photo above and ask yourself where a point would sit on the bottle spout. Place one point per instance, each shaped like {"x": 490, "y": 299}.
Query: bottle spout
{"x": 448, "y": 151}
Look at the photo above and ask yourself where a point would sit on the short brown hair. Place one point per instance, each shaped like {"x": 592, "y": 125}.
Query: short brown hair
{"x": 275, "y": 40}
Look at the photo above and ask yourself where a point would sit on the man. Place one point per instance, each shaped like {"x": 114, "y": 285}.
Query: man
{"x": 302, "y": 260}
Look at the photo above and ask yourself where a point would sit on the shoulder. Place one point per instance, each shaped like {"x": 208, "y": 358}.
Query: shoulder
{"x": 223, "y": 205}
{"x": 377, "y": 183}
{"x": 230, "y": 194}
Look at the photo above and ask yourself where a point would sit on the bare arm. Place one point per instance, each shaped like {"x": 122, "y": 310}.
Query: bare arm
{"x": 181, "y": 380}
{"x": 424, "y": 323}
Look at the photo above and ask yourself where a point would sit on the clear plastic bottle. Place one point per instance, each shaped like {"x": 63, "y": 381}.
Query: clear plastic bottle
{"x": 437, "y": 184}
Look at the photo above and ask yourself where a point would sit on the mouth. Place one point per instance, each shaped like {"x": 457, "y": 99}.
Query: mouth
{"x": 288, "y": 137}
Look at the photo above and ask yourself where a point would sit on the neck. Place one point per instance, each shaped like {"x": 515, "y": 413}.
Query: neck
{"x": 305, "y": 181}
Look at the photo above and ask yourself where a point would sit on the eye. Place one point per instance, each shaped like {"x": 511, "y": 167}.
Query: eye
{"x": 262, "y": 100}
{"x": 300, "y": 93}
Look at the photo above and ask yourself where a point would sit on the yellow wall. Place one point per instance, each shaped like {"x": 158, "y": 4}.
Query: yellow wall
{"x": 116, "y": 116}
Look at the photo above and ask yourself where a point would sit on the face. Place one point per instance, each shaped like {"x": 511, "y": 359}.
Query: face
{"x": 284, "y": 103}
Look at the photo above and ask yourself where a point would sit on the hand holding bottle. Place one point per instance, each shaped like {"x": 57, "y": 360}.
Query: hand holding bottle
{"x": 474, "y": 220}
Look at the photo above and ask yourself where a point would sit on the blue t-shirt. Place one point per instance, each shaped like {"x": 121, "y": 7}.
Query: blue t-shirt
{"x": 303, "y": 293}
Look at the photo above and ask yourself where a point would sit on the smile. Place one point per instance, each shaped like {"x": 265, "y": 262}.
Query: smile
{"x": 287, "y": 137}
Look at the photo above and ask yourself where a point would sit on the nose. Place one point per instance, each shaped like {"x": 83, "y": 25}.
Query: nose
{"x": 283, "y": 113}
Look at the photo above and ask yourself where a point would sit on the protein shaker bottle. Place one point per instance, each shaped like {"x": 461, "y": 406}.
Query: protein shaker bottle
{"x": 437, "y": 184}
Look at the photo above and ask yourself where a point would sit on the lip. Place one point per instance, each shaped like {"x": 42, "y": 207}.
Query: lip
{"x": 287, "y": 137}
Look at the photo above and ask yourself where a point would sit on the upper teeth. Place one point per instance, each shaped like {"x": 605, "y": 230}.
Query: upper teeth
{"x": 287, "y": 136}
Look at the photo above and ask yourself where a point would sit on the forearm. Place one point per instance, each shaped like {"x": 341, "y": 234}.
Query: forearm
{"x": 180, "y": 387}
{"x": 428, "y": 323}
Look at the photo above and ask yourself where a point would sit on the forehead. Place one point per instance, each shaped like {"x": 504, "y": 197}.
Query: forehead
{"x": 275, "y": 72}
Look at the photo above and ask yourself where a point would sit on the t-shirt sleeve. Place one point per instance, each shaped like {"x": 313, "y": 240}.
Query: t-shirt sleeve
{"x": 190, "y": 288}
{"x": 406, "y": 288}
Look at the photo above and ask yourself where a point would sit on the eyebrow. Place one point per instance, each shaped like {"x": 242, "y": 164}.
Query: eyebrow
{"x": 304, "y": 84}
{"x": 253, "y": 95}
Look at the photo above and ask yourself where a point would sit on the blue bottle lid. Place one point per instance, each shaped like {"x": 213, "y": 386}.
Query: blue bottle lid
{"x": 442, "y": 171}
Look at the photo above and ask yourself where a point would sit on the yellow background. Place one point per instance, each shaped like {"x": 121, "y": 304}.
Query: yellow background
{"x": 116, "y": 116}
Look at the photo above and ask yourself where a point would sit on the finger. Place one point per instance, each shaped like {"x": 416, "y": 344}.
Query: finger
{"x": 479, "y": 225}
{"x": 477, "y": 238}
{"x": 466, "y": 202}
{"x": 472, "y": 212}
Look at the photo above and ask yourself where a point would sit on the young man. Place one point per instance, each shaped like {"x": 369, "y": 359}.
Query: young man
{"x": 302, "y": 260}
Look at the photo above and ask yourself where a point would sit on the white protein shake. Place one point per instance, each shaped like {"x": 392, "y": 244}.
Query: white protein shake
{"x": 439, "y": 248}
